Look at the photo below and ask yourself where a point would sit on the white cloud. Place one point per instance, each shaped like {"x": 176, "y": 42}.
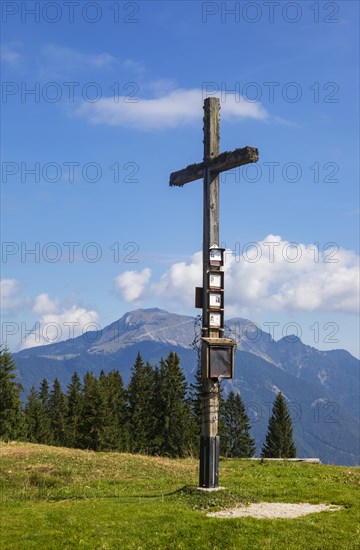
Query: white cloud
{"x": 179, "y": 282}
{"x": 43, "y": 304}
{"x": 56, "y": 61}
{"x": 292, "y": 277}
{"x": 71, "y": 57}
{"x": 175, "y": 108}
{"x": 131, "y": 284}
{"x": 9, "y": 298}
{"x": 57, "y": 322}
{"x": 271, "y": 275}
{"x": 8, "y": 287}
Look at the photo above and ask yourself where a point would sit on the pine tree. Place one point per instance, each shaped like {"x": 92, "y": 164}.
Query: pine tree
{"x": 44, "y": 397}
{"x": 11, "y": 415}
{"x": 140, "y": 394}
{"x": 156, "y": 437}
{"x": 73, "y": 411}
{"x": 37, "y": 430}
{"x": 57, "y": 414}
{"x": 93, "y": 421}
{"x": 174, "y": 415}
{"x": 44, "y": 394}
{"x": 279, "y": 438}
{"x": 236, "y": 437}
{"x": 32, "y": 414}
{"x": 115, "y": 396}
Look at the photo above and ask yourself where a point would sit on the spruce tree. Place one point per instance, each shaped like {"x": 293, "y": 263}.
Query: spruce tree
{"x": 237, "y": 442}
{"x": 73, "y": 411}
{"x": 93, "y": 421}
{"x": 140, "y": 415}
{"x": 44, "y": 393}
{"x": 174, "y": 414}
{"x": 11, "y": 415}
{"x": 57, "y": 414}
{"x": 44, "y": 397}
{"x": 115, "y": 397}
{"x": 37, "y": 430}
{"x": 155, "y": 408}
{"x": 279, "y": 438}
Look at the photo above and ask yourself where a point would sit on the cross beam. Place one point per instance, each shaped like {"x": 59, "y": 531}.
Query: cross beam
{"x": 209, "y": 169}
{"x": 220, "y": 163}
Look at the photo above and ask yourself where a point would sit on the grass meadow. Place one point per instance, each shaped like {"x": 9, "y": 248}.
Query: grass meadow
{"x": 54, "y": 498}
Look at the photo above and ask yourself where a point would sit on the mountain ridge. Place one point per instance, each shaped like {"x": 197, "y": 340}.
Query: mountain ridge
{"x": 324, "y": 401}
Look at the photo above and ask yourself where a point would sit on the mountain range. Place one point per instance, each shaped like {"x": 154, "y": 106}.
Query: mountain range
{"x": 321, "y": 387}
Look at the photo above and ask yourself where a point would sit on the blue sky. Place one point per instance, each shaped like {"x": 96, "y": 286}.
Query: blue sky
{"x": 102, "y": 100}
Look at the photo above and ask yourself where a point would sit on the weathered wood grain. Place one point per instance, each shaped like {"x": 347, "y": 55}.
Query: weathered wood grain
{"x": 220, "y": 163}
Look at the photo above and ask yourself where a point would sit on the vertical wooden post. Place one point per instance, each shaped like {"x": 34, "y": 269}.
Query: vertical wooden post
{"x": 209, "y": 169}
{"x": 209, "y": 441}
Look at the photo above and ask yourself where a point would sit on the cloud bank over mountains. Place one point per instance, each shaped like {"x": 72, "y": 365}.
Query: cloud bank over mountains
{"x": 273, "y": 274}
{"x": 55, "y": 321}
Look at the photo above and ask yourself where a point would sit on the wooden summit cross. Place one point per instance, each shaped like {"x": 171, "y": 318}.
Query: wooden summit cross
{"x": 212, "y": 292}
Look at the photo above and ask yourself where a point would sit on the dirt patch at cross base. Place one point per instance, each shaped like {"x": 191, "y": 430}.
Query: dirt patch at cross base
{"x": 273, "y": 510}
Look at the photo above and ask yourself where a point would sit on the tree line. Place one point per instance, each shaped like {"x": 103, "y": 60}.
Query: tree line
{"x": 157, "y": 414}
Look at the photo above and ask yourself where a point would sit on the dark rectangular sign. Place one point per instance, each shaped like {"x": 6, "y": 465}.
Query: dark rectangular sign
{"x": 221, "y": 359}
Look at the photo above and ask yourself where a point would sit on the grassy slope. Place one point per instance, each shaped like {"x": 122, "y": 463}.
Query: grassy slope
{"x": 64, "y": 498}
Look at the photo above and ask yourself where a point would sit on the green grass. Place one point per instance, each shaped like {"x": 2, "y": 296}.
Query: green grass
{"x": 55, "y": 498}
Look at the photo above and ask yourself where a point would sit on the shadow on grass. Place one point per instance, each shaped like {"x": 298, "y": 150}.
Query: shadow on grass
{"x": 188, "y": 496}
